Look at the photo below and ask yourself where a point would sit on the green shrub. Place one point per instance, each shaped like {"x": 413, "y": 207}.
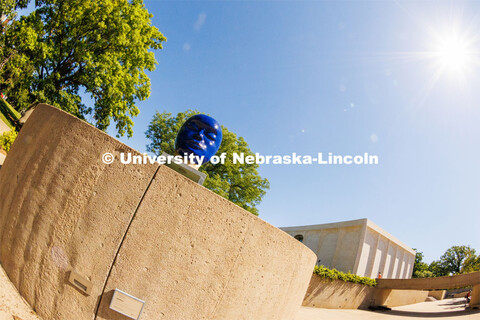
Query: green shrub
{"x": 7, "y": 138}
{"x": 334, "y": 274}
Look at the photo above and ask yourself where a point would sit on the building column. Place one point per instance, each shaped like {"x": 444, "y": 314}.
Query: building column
{"x": 384, "y": 260}
{"x": 369, "y": 272}
{"x": 400, "y": 263}
{"x": 341, "y": 234}
{"x": 393, "y": 264}
{"x": 363, "y": 234}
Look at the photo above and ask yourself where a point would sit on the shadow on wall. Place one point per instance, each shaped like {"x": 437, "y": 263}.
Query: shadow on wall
{"x": 338, "y": 294}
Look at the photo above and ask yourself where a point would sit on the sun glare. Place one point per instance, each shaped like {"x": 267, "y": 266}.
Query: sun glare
{"x": 454, "y": 53}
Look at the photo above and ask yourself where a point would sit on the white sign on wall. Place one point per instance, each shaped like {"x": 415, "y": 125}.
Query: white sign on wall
{"x": 126, "y": 304}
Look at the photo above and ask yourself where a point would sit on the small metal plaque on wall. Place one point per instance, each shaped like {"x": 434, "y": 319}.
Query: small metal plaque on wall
{"x": 126, "y": 304}
{"x": 80, "y": 282}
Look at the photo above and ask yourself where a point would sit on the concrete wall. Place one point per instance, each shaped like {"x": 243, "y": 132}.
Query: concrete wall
{"x": 437, "y": 294}
{"x": 337, "y": 294}
{"x": 333, "y": 246}
{"x": 457, "y": 281}
{"x": 475, "y": 297}
{"x": 144, "y": 229}
{"x": 357, "y": 246}
{"x": 395, "y": 298}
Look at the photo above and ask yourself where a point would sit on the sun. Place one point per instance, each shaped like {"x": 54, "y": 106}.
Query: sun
{"x": 454, "y": 53}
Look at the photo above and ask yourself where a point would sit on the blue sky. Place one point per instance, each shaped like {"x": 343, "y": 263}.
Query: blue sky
{"x": 346, "y": 77}
{"x": 343, "y": 77}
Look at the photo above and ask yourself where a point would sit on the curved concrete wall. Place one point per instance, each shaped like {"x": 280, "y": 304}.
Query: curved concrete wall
{"x": 143, "y": 229}
{"x": 447, "y": 282}
{"x": 338, "y": 294}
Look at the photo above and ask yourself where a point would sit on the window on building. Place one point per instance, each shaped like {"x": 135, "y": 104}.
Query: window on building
{"x": 299, "y": 237}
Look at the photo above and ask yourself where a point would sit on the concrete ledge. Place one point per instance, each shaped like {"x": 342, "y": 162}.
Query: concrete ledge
{"x": 395, "y": 298}
{"x": 458, "y": 281}
{"x": 338, "y": 294}
{"x": 437, "y": 294}
{"x": 146, "y": 230}
{"x": 475, "y": 297}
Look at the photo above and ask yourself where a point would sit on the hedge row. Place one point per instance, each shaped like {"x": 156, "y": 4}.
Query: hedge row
{"x": 7, "y": 138}
{"x": 334, "y": 274}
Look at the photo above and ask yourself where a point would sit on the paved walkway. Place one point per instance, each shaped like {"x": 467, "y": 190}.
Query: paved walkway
{"x": 451, "y": 309}
{"x": 13, "y": 307}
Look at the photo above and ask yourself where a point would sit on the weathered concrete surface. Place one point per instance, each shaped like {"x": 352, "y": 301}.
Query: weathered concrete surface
{"x": 338, "y": 294}
{"x": 12, "y": 306}
{"x": 475, "y": 298}
{"x": 458, "y": 281}
{"x": 324, "y": 293}
{"x": 205, "y": 258}
{"x": 62, "y": 208}
{"x": 188, "y": 252}
{"x": 449, "y": 282}
{"x": 395, "y": 298}
{"x": 437, "y": 294}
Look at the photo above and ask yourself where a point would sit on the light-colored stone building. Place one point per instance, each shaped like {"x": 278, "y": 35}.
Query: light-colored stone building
{"x": 357, "y": 246}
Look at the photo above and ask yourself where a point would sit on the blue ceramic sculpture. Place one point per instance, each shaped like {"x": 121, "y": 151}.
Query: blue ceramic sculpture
{"x": 200, "y": 135}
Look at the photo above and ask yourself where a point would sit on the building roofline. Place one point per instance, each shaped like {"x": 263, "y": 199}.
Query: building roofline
{"x": 389, "y": 236}
{"x": 348, "y": 223}
{"x": 351, "y": 223}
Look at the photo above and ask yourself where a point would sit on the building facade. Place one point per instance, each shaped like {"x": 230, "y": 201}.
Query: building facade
{"x": 357, "y": 246}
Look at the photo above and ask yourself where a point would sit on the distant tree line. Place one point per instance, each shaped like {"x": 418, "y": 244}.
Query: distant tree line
{"x": 456, "y": 260}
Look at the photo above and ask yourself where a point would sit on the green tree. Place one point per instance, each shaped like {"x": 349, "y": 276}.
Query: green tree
{"x": 420, "y": 268}
{"x": 8, "y": 16}
{"x": 471, "y": 264}
{"x": 437, "y": 269}
{"x": 100, "y": 48}
{"x": 452, "y": 261}
{"x": 7, "y": 7}
{"x": 239, "y": 183}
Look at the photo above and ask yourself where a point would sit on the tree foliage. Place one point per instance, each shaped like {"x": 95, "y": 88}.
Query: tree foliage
{"x": 65, "y": 49}
{"x": 8, "y": 7}
{"x": 7, "y": 138}
{"x": 239, "y": 183}
{"x": 471, "y": 264}
{"x": 437, "y": 269}
{"x": 420, "y": 268}
{"x": 453, "y": 260}
{"x": 456, "y": 260}
{"x": 334, "y": 274}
